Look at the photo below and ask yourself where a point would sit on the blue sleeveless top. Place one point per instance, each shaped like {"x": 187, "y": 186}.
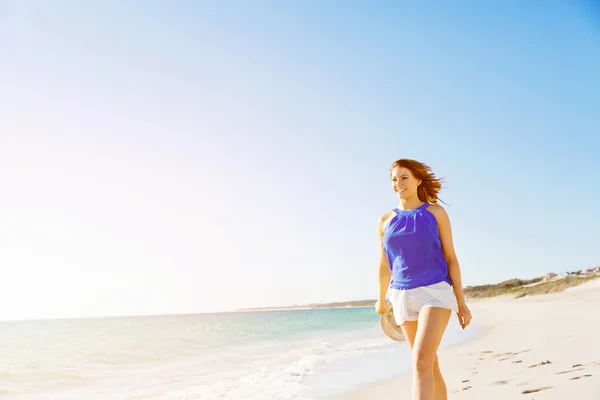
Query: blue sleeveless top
{"x": 412, "y": 244}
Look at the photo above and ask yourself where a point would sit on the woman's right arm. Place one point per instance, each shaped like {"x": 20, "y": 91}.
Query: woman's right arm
{"x": 385, "y": 275}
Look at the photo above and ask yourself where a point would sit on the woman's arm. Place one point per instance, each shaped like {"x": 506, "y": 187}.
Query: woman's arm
{"x": 445, "y": 232}
{"x": 385, "y": 275}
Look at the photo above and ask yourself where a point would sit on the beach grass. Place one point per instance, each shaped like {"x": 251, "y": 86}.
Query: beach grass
{"x": 513, "y": 287}
{"x": 520, "y": 288}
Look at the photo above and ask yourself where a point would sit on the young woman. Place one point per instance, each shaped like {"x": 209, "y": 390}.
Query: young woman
{"x": 419, "y": 268}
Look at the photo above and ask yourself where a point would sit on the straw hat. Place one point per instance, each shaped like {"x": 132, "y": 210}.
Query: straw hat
{"x": 389, "y": 326}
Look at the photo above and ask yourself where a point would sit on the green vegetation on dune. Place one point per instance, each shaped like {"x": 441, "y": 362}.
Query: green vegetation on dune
{"x": 520, "y": 288}
{"x": 498, "y": 288}
{"x": 514, "y": 287}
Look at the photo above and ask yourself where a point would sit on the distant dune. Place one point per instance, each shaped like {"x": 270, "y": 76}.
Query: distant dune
{"x": 550, "y": 283}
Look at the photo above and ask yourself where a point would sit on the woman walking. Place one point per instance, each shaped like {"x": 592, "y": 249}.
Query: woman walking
{"x": 420, "y": 270}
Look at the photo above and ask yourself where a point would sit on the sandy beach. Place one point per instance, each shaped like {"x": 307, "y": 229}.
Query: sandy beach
{"x": 537, "y": 347}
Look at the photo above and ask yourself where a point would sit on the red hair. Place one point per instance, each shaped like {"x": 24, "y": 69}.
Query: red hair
{"x": 430, "y": 185}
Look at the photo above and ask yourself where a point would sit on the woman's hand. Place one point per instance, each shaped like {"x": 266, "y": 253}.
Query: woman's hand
{"x": 464, "y": 314}
{"x": 380, "y": 307}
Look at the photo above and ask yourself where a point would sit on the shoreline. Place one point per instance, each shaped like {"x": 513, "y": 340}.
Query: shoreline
{"x": 542, "y": 345}
{"x": 373, "y": 389}
{"x": 549, "y": 283}
{"x": 298, "y": 308}
{"x": 368, "y": 390}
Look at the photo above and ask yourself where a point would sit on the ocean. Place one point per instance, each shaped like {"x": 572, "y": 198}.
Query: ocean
{"x": 262, "y": 355}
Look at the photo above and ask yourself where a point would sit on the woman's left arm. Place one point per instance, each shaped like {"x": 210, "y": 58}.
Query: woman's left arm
{"x": 445, "y": 232}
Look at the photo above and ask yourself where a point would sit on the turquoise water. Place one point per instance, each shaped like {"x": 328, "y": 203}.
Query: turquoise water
{"x": 258, "y": 326}
{"x": 267, "y": 355}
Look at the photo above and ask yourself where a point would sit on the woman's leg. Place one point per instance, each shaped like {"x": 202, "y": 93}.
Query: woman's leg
{"x": 430, "y": 330}
{"x": 409, "y": 328}
{"x": 439, "y": 387}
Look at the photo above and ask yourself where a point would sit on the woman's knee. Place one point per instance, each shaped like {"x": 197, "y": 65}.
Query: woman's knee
{"x": 436, "y": 368}
{"x": 423, "y": 362}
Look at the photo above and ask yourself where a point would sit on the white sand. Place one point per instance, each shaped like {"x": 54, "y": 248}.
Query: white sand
{"x": 511, "y": 357}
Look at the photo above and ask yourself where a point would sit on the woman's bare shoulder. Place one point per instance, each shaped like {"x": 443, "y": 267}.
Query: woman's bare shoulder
{"x": 384, "y": 219}
{"x": 438, "y": 211}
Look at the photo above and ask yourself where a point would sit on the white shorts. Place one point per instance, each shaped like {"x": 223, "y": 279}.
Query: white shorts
{"x": 407, "y": 303}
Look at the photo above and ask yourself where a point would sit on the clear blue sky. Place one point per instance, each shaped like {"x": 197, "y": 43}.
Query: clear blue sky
{"x": 163, "y": 157}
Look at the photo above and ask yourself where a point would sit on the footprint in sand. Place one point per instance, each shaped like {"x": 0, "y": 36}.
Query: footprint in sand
{"x": 575, "y": 368}
{"x": 505, "y": 355}
{"x": 536, "y": 390}
{"x": 580, "y": 376}
{"x": 510, "y": 354}
{"x": 540, "y": 363}
{"x": 571, "y": 370}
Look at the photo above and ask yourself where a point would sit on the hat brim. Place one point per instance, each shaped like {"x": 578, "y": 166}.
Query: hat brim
{"x": 389, "y": 326}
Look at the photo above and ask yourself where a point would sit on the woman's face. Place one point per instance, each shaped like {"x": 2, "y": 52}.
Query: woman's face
{"x": 404, "y": 183}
